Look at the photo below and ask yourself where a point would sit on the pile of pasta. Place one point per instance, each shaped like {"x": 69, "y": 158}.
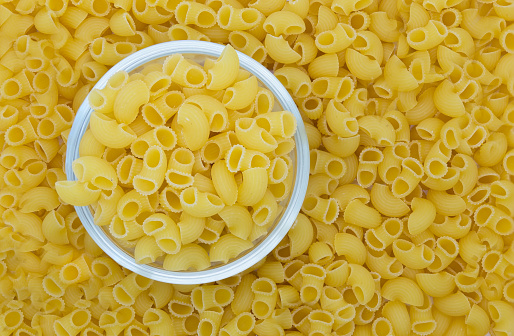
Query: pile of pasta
{"x": 189, "y": 184}
{"x": 407, "y": 225}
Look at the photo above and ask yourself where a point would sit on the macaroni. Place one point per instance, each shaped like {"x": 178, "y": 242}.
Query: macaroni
{"x": 406, "y": 227}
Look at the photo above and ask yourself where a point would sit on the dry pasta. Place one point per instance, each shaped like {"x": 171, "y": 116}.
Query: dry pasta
{"x": 162, "y": 158}
{"x": 407, "y": 225}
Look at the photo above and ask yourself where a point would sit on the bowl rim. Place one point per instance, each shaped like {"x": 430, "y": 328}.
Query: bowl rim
{"x": 261, "y": 250}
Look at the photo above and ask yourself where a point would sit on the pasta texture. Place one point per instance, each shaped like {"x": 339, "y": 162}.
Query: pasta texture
{"x": 407, "y": 227}
{"x": 166, "y": 206}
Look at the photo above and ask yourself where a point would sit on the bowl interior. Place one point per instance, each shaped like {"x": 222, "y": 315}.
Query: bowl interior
{"x": 129, "y": 251}
{"x": 199, "y": 51}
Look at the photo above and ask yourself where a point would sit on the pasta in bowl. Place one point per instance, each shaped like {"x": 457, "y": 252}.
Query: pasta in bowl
{"x": 187, "y": 163}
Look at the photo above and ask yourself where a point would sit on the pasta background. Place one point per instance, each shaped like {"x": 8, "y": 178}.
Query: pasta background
{"x": 408, "y": 110}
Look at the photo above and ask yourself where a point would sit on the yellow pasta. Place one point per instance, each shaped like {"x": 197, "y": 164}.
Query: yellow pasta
{"x": 410, "y": 126}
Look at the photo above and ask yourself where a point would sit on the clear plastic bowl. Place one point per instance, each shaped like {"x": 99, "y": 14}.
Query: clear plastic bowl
{"x": 292, "y": 204}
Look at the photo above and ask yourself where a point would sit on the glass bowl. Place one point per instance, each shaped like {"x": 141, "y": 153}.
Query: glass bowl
{"x": 199, "y": 51}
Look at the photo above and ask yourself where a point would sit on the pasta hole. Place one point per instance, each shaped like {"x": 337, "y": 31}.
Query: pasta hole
{"x": 103, "y": 183}
{"x": 124, "y": 48}
{"x": 320, "y": 87}
{"x": 284, "y": 147}
{"x": 189, "y": 196}
{"x": 509, "y": 41}
{"x": 437, "y": 168}
{"x": 139, "y": 148}
{"x": 417, "y": 36}
{"x": 142, "y": 281}
{"x": 16, "y": 134}
{"x": 303, "y": 90}
{"x": 259, "y": 161}
{"x": 335, "y": 168}
{"x": 279, "y": 170}
{"x": 11, "y": 88}
{"x": 427, "y": 253}
{"x": 70, "y": 272}
{"x": 482, "y": 116}
{"x": 268, "y": 138}
{"x": 332, "y": 212}
{"x": 250, "y": 16}
{"x": 101, "y": 270}
{"x": 483, "y": 215}
{"x": 180, "y": 179}
{"x": 311, "y": 103}
{"x": 264, "y": 123}
{"x": 365, "y": 177}
{"x": 293, "y": 30}
{"x": 393, "y": 227}
{"x": 479, "y": 195}
{"x": 80, "y": 318}
{"x": 195, "y": 76}
{"x": 88, "y": 72}
{"x": 152, "y": 117}
{"x": 261, "y": 215}
{"x": 206, "y": 18}
{"x": 310, "y": 203}
{"x": 161, "y": 84}
{"x": 7, "y": 200}
{"x": 326, "y": 39}
{"x": 222, "y": 296}
{"x": 509, "y": 291}
{"x": 395, "y": 267}
{"x": 309, "y": 294}
{"x": 122, "y": 296}
{"x": 118, "y": 80}
{"x": 218, "y": 122}
{"x": 448, "y": 18}
{"x": 215, "y": 200}
{"x": 183, "y": 156}
{"x": 140, "y": 6}
{"x": 96, "y": 99}
{"x": 238, "y": 41}
{"x": 205, "y": 328}
{"x": 130, "y": 210}
{"x": 360, "y": 42}
{"x": 404, "y": 245}
{"x": 278, "y": 190}
{"x": 144, "y": 185}
{"x": 212, "y": 152}
{"x": 224, "y": 15}
{"x": 191, "y": 324}
{"x": 359, "y": 294}
{"x": 34, "y": 64}
{"x": 55, "y": 5}
{"x": 382, "y": 92}
{"x": 437, "y": 263}
{"x": 474, "y": 70}
{"x": 373, "y": 241}
{"x": 504, "y": 226}
{"x": 174, "y": 100}
{"x": 245, "y": 323}
{"x": 166, "y": 138}
{"x": 178, "y": 33}
{"x": 392, "y": 173}
{"x": 451, "y": 138}
{"x": 100, "y": 6}
{"x": 357, "y": 21}
{"x": 168, "y": 245}
{"x": 227, "y": 97}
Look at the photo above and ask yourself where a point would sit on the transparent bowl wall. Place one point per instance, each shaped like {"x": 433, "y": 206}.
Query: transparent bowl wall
{"x": 291, "y": 205}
